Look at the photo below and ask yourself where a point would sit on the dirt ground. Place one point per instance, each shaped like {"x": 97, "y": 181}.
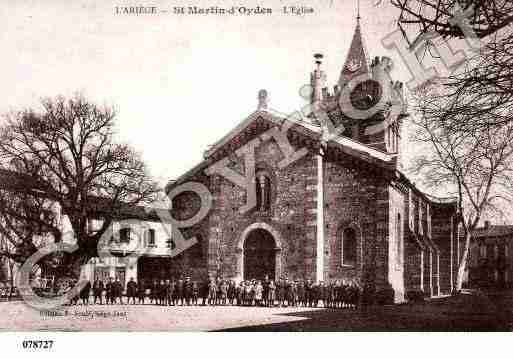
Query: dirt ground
{"x": 470, "y": 312}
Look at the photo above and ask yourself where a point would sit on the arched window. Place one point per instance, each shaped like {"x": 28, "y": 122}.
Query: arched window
{"x": 349, "y": 247}
{"x": 263, "y": 191}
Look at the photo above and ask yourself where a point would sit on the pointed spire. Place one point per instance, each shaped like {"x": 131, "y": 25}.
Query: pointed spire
{"x": 357, "y": 61}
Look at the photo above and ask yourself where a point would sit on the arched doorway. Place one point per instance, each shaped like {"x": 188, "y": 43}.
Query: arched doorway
{"x": 259, "y": 255}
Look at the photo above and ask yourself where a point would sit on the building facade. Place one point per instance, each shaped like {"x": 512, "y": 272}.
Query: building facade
{"x": 490, "y": 263}
{"x": 322, "y": 198}
{"x": 341, "y": 210}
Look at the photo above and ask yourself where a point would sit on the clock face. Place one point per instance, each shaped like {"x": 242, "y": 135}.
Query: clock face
{"x": 366, "y": 95}
{"x": 353, "y": 65}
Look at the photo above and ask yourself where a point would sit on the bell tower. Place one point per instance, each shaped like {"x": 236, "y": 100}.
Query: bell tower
{"x": 357, "y": 60}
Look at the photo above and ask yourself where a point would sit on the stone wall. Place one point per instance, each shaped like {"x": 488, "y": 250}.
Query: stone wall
{"x": 291, "y": 216}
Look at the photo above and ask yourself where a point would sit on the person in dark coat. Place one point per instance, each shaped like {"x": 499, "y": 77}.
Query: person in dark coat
{"x": 109, "y": 292}
{"x": 344, "y": 291}
{"x": 301, "y": 293}
{"x": 265, "y": 292}
{"x": 337, "y": 294}
{"x": 204, "y": 292}
{"x": 195, "y": 293}
{"x": 161, "y": 292}
{"x": 118, "y": 291}
{"x": 154, "y": 292}
{"x": 240, "y": 294}
{"x": 172, "y": 291}
{"x": 98, "y": 288}
{"x": 187, "y": 290}
{"x": 85, "y": 292}
{"x": 131, "y": 290}
{"x": 309, "y": 292}
{"x": 315, "y": 294}
{"x": 271, "y": 295}
{"x": 281, "y": 289}
{"x": 167, "y": 292}
{"x": 322, "y": 293}
{"x": 231, "y": 292}
{"x": 179, "y": 292}
{"x": 293, "y": 289}
{"x": 74, "y": 298}
{"x": 289, "y": 292}
{"x": 141, "y": 291}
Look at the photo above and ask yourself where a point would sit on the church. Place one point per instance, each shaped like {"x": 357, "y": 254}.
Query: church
{"x": 342, "y": 209}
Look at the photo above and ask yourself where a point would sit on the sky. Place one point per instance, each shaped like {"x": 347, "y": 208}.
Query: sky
{"x": 179, "y": 83}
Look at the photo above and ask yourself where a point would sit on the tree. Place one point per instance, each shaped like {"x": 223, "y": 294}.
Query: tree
{"x": 483, "y": 88}
{"x": 423, "y": 16}
{"x": 465, "y": 119}
{"x": 475, "y": 166}
{"x": 28, "y": 222}
{"x": 484, "y": 85}
{"x": 62, "y": 159}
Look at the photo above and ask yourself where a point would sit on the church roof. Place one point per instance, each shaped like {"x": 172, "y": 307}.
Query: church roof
{"x": 347, "y": 145}
{"x": 357, "y": 60}
{"x": 381, "y": 160}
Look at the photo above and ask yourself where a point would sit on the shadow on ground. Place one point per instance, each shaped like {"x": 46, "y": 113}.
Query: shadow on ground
{"x": 464, "y": 312}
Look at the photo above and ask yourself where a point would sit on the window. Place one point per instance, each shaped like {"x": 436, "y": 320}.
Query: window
{"x": 482, "y": 251}
{"x": 506, "y": 251}
{"x": 349, "y": 247}
{"x": 124, "y": 235}
{"x": 496, "y": 251}
{"x": 170, "y": 243}
{"x": 151, "y": 237}
{"x": 263, "y": 191}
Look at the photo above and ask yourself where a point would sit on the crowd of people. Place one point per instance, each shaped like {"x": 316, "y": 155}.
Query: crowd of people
{"x": 184, "y": 292}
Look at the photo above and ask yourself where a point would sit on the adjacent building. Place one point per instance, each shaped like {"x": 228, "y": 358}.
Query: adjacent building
{"x": 490, "y": 261}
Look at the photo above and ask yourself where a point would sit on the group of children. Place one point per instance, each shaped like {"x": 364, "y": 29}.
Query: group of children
{"x": 284, "y": 292}
{"x": 267, "y": 293}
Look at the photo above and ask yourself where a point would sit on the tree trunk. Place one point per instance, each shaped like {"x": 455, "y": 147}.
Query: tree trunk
{"x": 11, "y": 264}
{"x": 463, "y": 262}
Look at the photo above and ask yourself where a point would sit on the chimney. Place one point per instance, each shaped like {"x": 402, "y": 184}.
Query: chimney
{"x": 317, "y": 79}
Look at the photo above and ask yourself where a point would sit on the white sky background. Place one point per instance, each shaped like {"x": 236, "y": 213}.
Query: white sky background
{"x": 179, "y": 82}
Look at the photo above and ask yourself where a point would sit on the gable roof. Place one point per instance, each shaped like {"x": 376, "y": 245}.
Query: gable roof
{"x": 314, "y": 132}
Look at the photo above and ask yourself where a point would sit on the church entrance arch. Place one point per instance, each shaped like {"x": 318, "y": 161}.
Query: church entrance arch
{"x": 259, "y": 253}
